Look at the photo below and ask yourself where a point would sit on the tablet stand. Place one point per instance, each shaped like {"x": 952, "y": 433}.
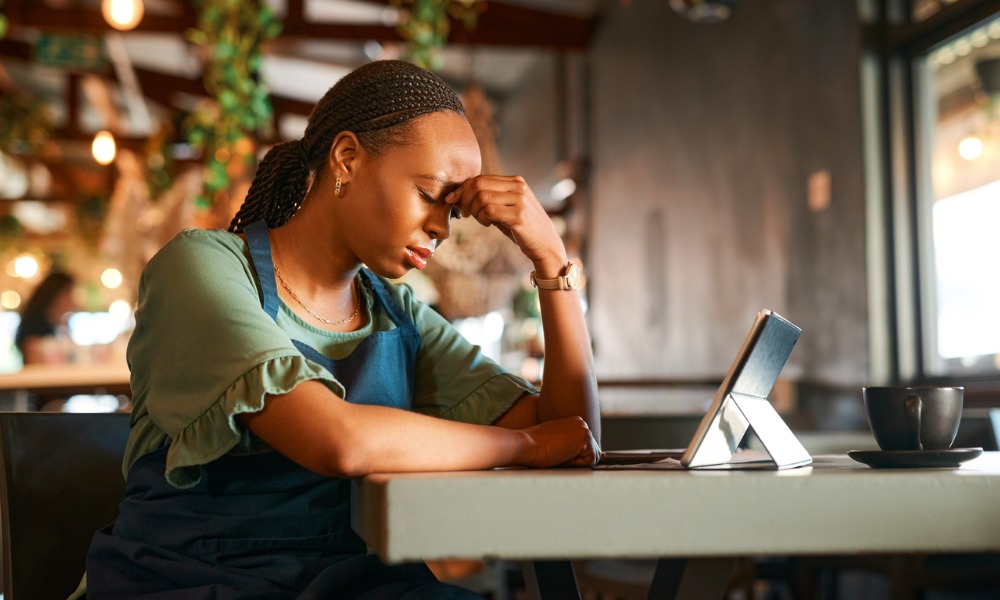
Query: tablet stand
{"x": 739, "y": 413}
{"x": 780, "y": 443}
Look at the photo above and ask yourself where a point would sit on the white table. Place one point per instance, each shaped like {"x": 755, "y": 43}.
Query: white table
{"x": 835, "y": 507}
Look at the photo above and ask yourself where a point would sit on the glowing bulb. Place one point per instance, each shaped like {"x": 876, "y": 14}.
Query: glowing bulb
{"x": 970, "y": 148}
{"x": 103, "y": 148}
{"x": 563, "y": 189}
{"x": 25, "y": 266}
{"x": 122, "y": 14}
{"x": 111, "y": 278}
{"x": 120, "y": 309}
{"x": 10, "y": 300}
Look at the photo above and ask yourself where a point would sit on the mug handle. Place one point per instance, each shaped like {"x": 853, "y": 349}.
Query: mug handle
{"x": 912, "y": 406}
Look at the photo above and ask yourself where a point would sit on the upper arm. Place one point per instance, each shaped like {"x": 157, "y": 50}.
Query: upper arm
{"x": 455, "y": 380}
{"x": 523, "y": 413}
{"x": 199, "y": 329}
{"x": 306, "y": 425}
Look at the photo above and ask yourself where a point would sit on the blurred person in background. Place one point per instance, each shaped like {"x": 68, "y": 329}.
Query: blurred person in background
{"x": 41, "y": 336}
{"x": 42, "y": 317}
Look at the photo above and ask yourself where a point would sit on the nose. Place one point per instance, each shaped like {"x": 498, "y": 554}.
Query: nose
{"x": 438, "y": 225}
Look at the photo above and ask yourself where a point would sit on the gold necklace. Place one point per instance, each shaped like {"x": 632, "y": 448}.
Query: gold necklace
{"x": 357, "y": 303}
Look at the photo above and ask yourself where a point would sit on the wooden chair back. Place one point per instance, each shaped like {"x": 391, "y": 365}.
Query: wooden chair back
{"x": 60, "y": 482}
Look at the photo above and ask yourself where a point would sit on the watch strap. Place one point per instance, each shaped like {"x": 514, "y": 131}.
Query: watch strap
{"x": 570, "y": 279}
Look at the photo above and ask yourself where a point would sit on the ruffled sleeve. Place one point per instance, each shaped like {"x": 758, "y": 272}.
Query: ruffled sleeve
{"x": 215, "y": 432}
{"x": 455, "y": 380}
{"x": 204, "y": 351}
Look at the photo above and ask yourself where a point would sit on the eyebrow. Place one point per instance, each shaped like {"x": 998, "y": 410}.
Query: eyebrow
{"x": 446, "y": 185}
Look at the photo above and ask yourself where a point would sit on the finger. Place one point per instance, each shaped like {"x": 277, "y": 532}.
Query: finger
{"x": 486, "y": 188}
{"x": 502, "y": 215}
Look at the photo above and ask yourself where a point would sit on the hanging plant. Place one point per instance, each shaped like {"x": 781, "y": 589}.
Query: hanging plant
{"x": 11, "y": 232}
{"x": 231, "y": 34}
{"x": 159, "y": 160}
{"x": 4, "y": 24}
{"x": 425, "y": 25}
{"x": 25, "y": 123}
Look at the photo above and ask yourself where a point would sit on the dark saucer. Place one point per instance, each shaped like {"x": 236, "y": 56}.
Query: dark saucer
{"x": 914, "y": 459}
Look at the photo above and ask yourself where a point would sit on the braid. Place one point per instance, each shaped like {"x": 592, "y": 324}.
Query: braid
{"x": 377, "y": 102}
{"x": 277, "y": 189}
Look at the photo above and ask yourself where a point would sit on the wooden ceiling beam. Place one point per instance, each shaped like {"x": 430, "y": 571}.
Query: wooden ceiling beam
{"x": 498, "y": 25}
{"x": 159, "y": 87}
{"x": 77, "y": 19}
{"x": 16, "y": 49}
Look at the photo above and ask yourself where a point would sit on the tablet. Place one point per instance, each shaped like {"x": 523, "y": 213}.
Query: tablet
{"x": 741, "y": 401}
{"x": 739, "y": 404}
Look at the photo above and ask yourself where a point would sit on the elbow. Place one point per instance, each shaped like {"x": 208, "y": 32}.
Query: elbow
{"x": 345, "y": 458}
{"x": 347, "y": 463}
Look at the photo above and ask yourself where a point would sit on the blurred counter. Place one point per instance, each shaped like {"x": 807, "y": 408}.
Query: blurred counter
{"x": 69, "y": 378}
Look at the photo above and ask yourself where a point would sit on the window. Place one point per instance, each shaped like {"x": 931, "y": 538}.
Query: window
{"x": 957, "y": 210}
{"x": 931, "y": 75}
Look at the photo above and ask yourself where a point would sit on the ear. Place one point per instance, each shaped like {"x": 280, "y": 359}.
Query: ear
{"x": 345, "y": 152}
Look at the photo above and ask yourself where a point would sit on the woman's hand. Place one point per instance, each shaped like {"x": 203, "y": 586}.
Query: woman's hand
{"x": 566, "y": 441}
{"x": 509, "y": 204}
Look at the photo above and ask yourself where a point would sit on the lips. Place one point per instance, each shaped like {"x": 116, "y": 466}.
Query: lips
{"x": 419, "y": 256}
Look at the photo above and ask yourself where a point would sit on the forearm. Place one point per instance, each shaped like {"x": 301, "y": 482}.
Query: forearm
{"x": 325, "y": 434}
{"x": 569, "y": 386}
{"x": 507, "y": 203}
{"x": 383, "y": 439}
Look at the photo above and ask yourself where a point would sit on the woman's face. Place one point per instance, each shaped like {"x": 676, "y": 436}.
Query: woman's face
{"x": 62, "y": 304}
{"x": 396, "y": 200}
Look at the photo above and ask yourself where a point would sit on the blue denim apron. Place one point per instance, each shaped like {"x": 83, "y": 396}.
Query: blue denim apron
{"x": 260, "y": 525}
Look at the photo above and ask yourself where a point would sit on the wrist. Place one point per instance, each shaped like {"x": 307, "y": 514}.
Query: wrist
{"x": 551, "y": 267}
{"x": 570, "y": 277}
{"x": 525, "y": 448}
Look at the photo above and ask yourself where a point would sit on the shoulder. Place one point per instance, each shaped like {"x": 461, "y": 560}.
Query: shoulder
{"x": 31, "y": 325}
{"x": 202, "y": 244}
{"x": 200, "y": 259}
{"x": 207, "y": 254}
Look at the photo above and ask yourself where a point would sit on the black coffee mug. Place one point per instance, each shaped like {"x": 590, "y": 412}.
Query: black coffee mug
{"x": 914, "y": 418}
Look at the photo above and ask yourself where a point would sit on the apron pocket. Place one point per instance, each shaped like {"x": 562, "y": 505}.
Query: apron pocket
{"x": 224, "y": 549}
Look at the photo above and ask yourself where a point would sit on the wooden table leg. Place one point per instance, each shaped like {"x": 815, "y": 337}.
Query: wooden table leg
{"x": 550, "y": 580}
{"x": 691, "y": 579}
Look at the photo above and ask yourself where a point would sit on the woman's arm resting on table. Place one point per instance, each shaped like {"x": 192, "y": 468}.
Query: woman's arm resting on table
{"x": 320, "y": 431}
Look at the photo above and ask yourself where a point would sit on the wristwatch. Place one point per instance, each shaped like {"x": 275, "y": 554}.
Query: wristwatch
{"x": 570, "y": 279}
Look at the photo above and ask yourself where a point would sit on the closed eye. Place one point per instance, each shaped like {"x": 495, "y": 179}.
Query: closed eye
{"x": 455, "y": 213}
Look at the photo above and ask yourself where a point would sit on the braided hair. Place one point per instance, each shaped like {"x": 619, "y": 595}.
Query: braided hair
{"x": 377, "y": 102}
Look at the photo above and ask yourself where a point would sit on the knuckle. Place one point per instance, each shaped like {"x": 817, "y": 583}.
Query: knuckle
{"x": 477, "y": 184}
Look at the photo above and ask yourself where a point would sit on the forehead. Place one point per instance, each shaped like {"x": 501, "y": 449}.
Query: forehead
{"x": 444, "y": 147}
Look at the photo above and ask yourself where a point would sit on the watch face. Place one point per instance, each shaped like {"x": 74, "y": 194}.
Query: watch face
{"x": 573, "y": 276}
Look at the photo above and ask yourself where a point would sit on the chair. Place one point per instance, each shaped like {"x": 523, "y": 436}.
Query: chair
{"x": 61, "y": 481}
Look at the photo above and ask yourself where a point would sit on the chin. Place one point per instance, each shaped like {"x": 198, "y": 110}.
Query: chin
{"x": 389, "y": 272}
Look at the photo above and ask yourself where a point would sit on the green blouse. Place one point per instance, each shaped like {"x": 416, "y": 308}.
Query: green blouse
{"x": 203, "y": 350}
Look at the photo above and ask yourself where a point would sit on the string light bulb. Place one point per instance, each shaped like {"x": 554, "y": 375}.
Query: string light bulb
{"x": 24, "y": 266}
{"x": 122, "y": 14}
{"x": 103, "y": 148}
{"x": 111, "y": 278}
{"x": 971, "y": 147}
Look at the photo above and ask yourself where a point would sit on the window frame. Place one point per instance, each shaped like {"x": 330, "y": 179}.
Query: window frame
{"x": 900, "y": 289}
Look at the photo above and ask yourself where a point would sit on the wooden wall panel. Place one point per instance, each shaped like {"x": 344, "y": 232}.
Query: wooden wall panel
{"x": 704, "y": 139}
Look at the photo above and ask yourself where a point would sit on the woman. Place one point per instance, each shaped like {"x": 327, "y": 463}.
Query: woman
{"x": 42, "y": 315}
{"x": 272, "y": 364}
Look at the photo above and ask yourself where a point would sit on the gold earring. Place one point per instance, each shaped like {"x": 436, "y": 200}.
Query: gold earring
{"x": 337, "y": 187}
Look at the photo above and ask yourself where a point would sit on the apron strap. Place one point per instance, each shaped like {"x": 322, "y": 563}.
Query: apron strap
{"x": 388, "y": 303}
{"x": 260, "y": 253}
